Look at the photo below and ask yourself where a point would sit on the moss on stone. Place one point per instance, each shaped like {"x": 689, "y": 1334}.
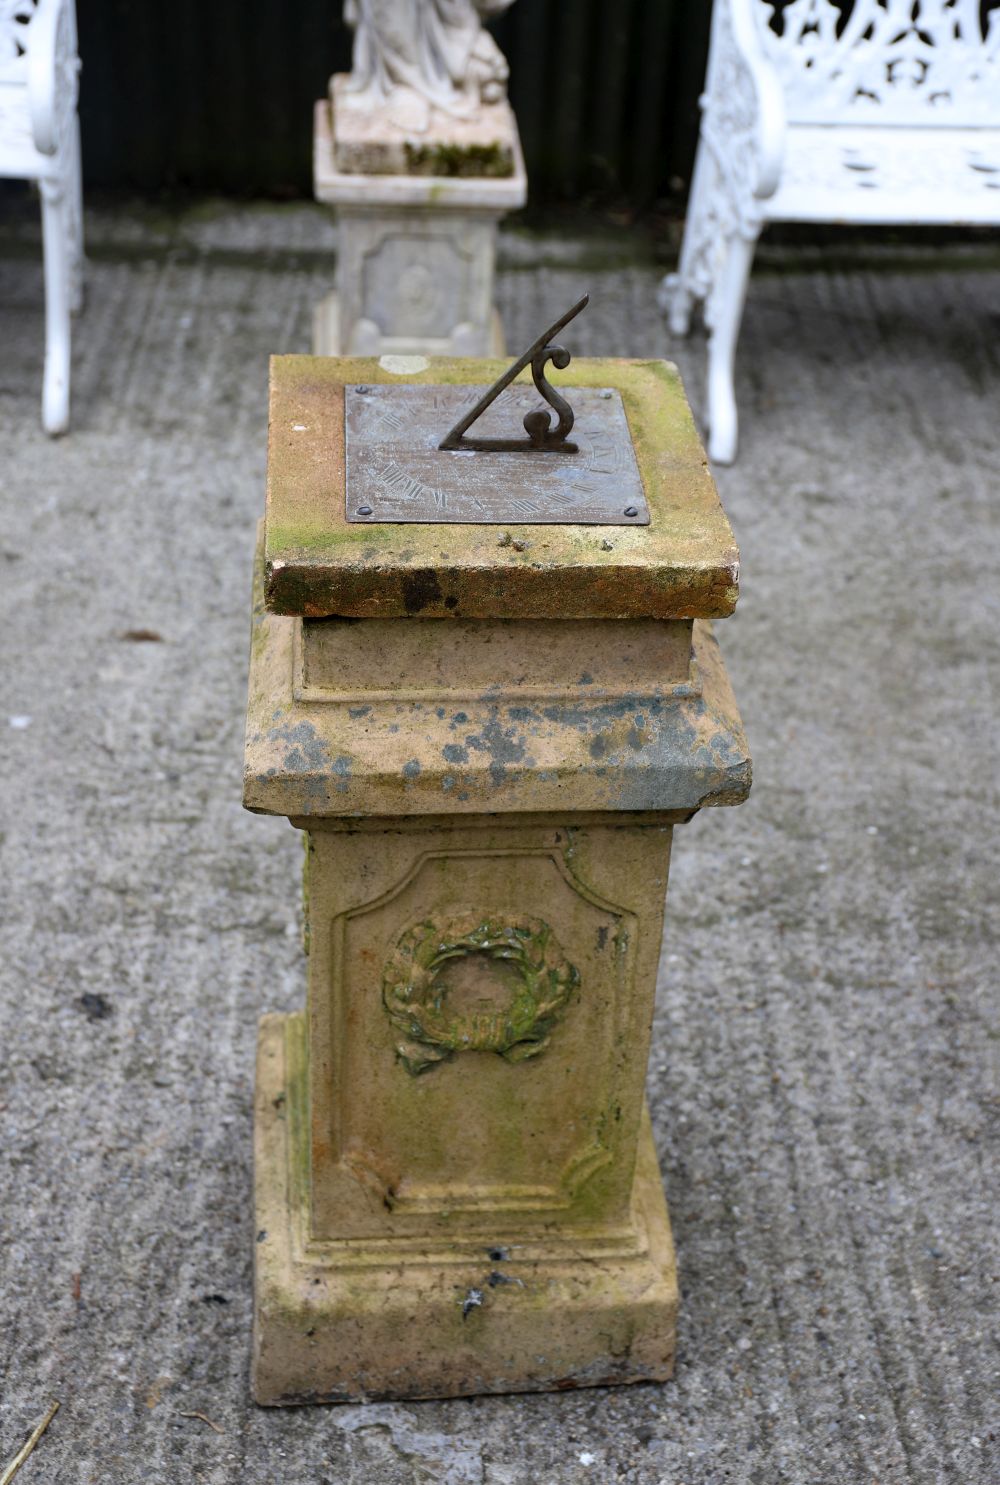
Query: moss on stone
{"x": 453, "y": 160}
{"x": 683, "y": 564}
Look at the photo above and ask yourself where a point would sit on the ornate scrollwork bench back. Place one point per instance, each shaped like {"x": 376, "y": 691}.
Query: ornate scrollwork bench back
{"x": 869, "y": 111}
{"x": 933, "y": 62}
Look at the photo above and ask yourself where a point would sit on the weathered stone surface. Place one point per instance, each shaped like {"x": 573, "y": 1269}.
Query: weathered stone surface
{"x": 489, "y": 804}
{"x": 366, "y": 142}
{"x": 475, "y": 1212}
{"x": 448, "y": 191}
{"x": 645, "y": 742}
{"x": 416, "y": 250}
{"x": 456, "y": 1188}
{"x": 335, "y": 1324}
{"x": 478, "y": 1147}
{"x": 683, "y": 565}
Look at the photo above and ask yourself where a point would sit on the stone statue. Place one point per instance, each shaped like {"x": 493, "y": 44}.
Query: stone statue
{"x": 414, "y": 56}
{"x": 417, "y": 150}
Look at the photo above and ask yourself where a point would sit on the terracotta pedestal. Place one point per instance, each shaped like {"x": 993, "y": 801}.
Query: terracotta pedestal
{"x": 487, "y": 734}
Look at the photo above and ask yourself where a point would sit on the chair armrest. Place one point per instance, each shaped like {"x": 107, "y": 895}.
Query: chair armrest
{"x": 744, "y": 93}
{"x": 52, "y": 72}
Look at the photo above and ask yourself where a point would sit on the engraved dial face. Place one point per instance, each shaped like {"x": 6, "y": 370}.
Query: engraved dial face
{"x": 396, "y": 471}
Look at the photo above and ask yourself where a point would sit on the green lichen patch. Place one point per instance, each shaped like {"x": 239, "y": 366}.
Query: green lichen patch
{"x": 683, "y": 565}
{"x": 455, "y": 160}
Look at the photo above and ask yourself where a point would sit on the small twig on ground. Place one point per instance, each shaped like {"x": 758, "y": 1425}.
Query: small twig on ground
{"x": 194, "y": 1414}
{"x": 29, "y": 1444}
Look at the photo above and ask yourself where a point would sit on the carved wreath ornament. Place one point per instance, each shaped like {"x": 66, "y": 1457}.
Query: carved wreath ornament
{"x": 416, "y": 993}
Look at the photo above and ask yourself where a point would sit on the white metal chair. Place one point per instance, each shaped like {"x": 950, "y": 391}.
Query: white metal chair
{"x": 868, "y": 111}
{"x": 40, "y": 140}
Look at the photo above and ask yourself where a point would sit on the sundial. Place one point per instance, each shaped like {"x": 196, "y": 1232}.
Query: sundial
{"x": 453, "y": 454}
{"x": 487, "y": 742}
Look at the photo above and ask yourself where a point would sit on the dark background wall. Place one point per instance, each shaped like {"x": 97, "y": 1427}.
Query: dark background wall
{"x": 217, "y": 95}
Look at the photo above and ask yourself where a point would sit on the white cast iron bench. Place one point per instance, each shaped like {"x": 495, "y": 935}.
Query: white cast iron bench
{"x": 40, "y": 140}
{"x": 870, "y": 111}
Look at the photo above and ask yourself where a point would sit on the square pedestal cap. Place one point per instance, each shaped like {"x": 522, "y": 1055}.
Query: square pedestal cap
{"x": 417, "y": 186}
{"x": 317, "y": 564}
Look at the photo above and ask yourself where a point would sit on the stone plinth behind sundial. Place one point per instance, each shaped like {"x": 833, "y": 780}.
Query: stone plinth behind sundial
{"x": 417, "y": 151}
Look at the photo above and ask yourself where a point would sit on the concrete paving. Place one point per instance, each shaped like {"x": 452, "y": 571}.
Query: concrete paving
{"x": 824, "y": 1074}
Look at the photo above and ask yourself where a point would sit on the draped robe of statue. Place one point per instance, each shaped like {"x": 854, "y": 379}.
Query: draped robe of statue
{"x": 428, "y": 53}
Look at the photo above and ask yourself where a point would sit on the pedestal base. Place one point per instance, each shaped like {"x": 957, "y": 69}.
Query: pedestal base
{"x": 328, "y": 339}
{"x": 542, "y": 1310}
